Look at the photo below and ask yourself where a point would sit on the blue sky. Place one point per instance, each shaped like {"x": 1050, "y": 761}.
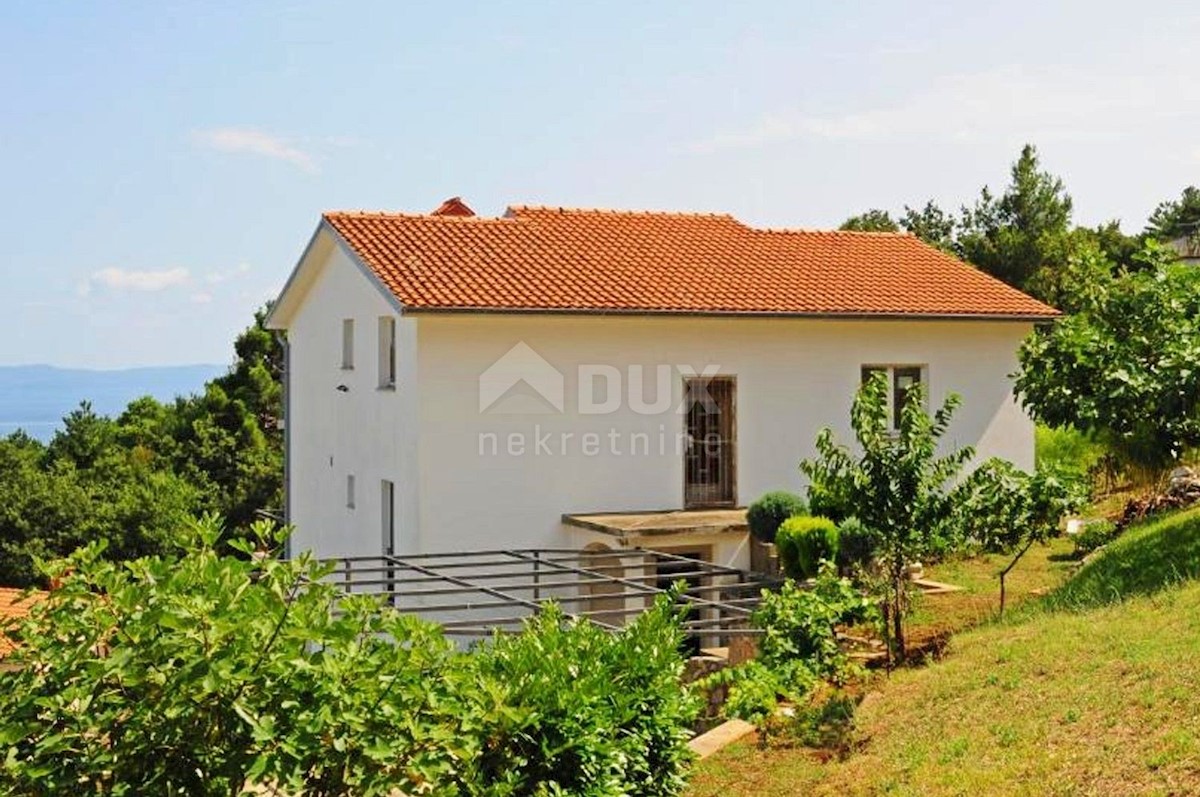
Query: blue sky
{"x": 165, "y": 163}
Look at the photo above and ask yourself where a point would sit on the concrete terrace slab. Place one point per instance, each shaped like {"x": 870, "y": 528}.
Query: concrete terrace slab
{"x": 630, "y": 525}
{"x": 721, "y": 736}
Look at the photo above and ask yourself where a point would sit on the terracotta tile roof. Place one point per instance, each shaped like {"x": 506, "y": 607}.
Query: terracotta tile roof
{"x": 13, "y": 607}
{"x": 555, "y": 259}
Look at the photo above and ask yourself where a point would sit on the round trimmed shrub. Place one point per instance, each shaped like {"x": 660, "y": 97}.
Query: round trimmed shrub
{"x": 766, "y": 514}
{"x": 855, "y": 545}
{"x": 804, "y": 542}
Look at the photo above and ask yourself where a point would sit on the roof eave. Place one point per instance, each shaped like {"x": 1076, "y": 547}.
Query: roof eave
{"x": 1036, "y": 318}
{"x": 281, "y": 313}
{"x": 278, "y": 317}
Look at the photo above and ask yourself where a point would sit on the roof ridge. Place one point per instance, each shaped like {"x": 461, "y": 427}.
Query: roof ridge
{"x": 847, "y": 233}
{"x": 434, "y": 217}
{"x": 514, "y": 210}
{"x": 673, "y": 214}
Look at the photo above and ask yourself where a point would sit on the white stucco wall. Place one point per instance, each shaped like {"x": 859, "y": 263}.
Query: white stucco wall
{"x": 365, "y": 431}
{"x": 468, "y": 480}
{"x": 794, "y": 376}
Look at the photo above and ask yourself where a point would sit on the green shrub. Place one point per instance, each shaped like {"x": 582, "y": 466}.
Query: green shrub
{"x": 601, "y": 713}
{"x": 828, "y": 497}
{"x": 799, "y": 648}
{"x": 801, "y": 624}
{"x": 755, "y": 689}
{"x": 856, "y": 545}
{"x": 194, "y": 674}
{"x": 1066, "y": 450}
{"x": 805, "y": 542}
{"x": 1094, "y": 535}
{"x": 766, "y": 514}
{"x": 201, "y": 674}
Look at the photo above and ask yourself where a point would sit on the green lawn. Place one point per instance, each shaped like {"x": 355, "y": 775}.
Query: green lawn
{"x": 1043, "y": 568}
{"x": 1093, "y": 691}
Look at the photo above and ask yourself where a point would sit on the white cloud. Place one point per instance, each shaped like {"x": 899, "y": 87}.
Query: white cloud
{"x": 1043, "y": 103}
{"x": 202, "y": 298}
{"x": 217, "y": 277}
{"x": 119, "y": 279}
{"x": 255, "y": 142}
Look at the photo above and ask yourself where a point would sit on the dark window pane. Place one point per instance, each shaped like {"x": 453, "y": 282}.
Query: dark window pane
{"x": 903, "y": 379}
{"x": 869, "y": 370}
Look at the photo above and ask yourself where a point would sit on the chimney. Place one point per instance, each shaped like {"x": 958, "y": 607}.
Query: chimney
{"x": 454, "y": 206}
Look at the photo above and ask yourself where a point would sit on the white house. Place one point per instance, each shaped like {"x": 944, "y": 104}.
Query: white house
{"x": 457, "y": 382}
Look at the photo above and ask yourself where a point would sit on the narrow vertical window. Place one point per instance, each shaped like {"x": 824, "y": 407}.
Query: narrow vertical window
{"x": 347, "y": 343}
{"x": 904, "y": 379}
{"x": 350, "y": 491}
{"x": 387, "y": 508}
{"x": 387, "y": 352}
{"x": 387, "y": 514}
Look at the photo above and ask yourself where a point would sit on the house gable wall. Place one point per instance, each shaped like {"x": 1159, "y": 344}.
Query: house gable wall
{"x": 362, "y": 430}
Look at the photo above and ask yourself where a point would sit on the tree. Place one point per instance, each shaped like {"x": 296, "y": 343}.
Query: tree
{"x": 1117, "y": 247}
{"x": 256, "y": 378}
{"x": 1176, "y": 218}
{"x": 44, "y": 509}
{"x": 1078, "y": 284}
{"x": 874, "y": 220}
{"x": 1022, "y": 232}
{"x": 898, "y": 487}
{"x": 84, "y": 439}
{"x": 224, "y": 450}
{"x": 84, "y": 487}
{"x": 1010, "y": 510}
{"x": 932, "y": 225}
{"x": 240, "y": 414}
{"x": 1124, "y": 366}
{"x": 131, "y": 482}
{"x": 226, "y": 441}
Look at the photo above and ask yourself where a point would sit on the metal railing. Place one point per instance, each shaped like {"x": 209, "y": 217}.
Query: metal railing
{"x": 474, "y": 593}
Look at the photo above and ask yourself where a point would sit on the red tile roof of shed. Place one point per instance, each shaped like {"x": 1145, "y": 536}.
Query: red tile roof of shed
{"x": 14, "y": 607}
{"x": 556, "y": 259}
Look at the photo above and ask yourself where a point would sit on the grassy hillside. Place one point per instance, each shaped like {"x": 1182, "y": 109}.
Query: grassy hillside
{"x": 1144, "y": 560}
{"x": 1095, "y": 693}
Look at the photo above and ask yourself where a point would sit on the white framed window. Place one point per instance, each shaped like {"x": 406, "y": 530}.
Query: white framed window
{"x": 347, "y": 344}
{"x": 901, "y": 379}
{"x": 387, "y": 352}
{"x": 350, "y": 491}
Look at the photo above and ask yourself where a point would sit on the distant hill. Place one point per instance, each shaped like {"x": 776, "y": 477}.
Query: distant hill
{"x": 36, "y": 397}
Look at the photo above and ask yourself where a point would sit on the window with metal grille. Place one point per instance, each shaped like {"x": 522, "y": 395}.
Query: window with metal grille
{"x": 710, "y": 436}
